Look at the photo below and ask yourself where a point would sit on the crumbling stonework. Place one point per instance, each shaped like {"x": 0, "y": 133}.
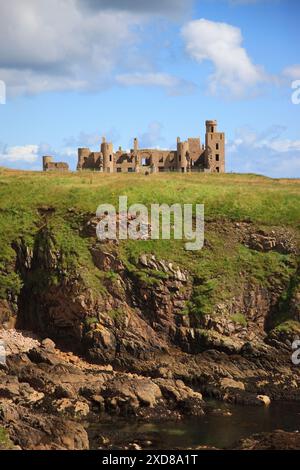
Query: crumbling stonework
{"x": 50, "y": 165}
{"x": 190, "y": 155}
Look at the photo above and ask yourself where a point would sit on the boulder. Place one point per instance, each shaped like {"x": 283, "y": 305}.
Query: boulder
{"x": 264, "y": 399}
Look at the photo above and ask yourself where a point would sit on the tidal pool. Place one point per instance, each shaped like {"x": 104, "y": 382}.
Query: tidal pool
{"x": 221, "y": 427}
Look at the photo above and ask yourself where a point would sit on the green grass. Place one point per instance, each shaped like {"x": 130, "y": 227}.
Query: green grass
{"x": 289, "y": 326}
{"x": 238, "y": 197}
{"x": 239, "y": 318}
{"x": 5, "y": 442}
{"x": 115, "y": 314}
{"x": 91, "y": 321}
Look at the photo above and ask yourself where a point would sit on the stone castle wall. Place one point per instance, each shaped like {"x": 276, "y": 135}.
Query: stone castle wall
{"x": 189, "y": 155}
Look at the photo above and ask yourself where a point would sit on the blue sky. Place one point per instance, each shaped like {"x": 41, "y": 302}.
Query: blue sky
{"x": 78, "y": 69}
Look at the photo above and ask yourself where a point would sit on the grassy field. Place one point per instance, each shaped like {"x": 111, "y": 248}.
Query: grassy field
{"x": 234, "y": 197}
{"x": 271, "y": 201}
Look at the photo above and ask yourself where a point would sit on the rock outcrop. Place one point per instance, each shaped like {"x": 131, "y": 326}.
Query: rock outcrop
{"x": 141, "y": 340}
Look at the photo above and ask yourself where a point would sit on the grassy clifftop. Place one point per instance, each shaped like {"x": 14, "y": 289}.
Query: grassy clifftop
{"x": 257, "y": 198}
{"x": 29, "y": 202}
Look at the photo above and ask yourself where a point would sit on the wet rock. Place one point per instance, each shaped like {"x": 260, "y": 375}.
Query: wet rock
{"x": 125, "y": 394}
{"x": 279, "y": 440}
{"x": 43, "y": 356}
{"x": 264, "y": 399}
{"x": 74, "y": 408}
{"x": 230, "y": 383}
{"x": 37, "y": 431}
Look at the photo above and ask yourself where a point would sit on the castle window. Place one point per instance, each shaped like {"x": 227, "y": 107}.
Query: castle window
{"x": 130, "y": 170}
{"x": 217, "y": 169}
{"x": 119, "y": 170}
{"x": 217, "y": 146}
{"x": 217, "y": 157}
{"x": 110, "y": 158}
{"x": 212, "y": 129}
{"x": 179, "y": 158}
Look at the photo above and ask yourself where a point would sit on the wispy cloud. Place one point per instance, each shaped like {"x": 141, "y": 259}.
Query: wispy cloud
{"x": 19, "y": 154}
{"x": 293, "y": 72}
{"x": 266, "y": 152}
{"x": 172, "y": 84}
{"x": 91, "y": 139}
{"x": 152, "y": 137}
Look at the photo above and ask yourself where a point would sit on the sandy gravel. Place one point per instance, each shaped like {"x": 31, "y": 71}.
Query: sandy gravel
{"x": 15, "y": 342}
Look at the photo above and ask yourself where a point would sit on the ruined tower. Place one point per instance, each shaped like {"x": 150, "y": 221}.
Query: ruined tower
{"x": 83, "y": 156}
{"x": 136, "y": 155}
{"x": 182, "y": 156}
{"x": 46, "y": 160}
{"x": 214, "y": 148}
{"x": 108, "y": 156}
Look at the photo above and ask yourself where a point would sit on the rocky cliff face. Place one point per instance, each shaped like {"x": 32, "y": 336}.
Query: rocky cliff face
{"x": 166, "y": 333}
{"x": 146, "y": 309}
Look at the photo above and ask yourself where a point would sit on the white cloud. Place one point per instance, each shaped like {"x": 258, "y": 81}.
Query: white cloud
{"x": 221, "y": 44}
{"x": 172, "y": 84}
{"x": 22, "y": 154}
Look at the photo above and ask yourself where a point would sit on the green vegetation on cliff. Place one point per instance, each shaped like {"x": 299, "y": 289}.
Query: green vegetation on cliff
{"x": 62, "y": 203}
{"x": 5, "y": 442}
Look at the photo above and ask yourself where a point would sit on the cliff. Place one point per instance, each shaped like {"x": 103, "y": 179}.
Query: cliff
{"x": 171, "y": 324}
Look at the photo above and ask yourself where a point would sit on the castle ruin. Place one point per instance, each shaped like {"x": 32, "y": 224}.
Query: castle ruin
{"x": 189, "y": 156}
{"x": 50, "y": 165}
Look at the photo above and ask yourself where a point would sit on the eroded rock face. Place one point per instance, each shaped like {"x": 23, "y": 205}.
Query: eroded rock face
{"x": 148, "y": 357}
{"x": 45, "y": 395}
{"x": 143, "y": 312}
{"x": 31, "y": 430}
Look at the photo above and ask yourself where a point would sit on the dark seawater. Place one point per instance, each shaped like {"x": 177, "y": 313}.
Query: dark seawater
{"x": 214, "y": 429}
